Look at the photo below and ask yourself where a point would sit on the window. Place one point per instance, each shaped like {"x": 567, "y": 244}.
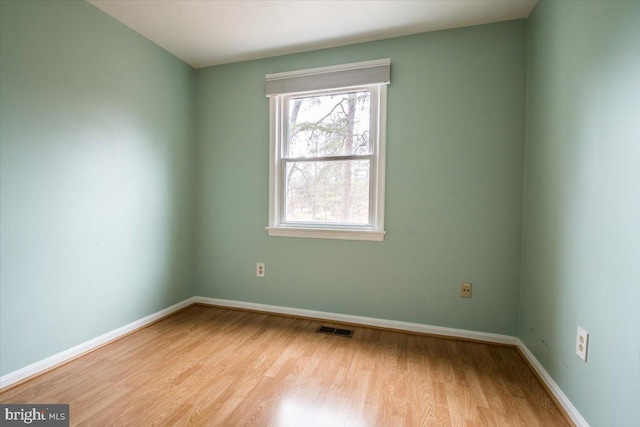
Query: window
{"x": 327, "y": 136}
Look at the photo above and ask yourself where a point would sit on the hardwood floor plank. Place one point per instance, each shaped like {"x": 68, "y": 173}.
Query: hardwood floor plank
{"x": 208, "y": 366}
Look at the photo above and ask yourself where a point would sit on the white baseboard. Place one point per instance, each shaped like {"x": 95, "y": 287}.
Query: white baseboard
{"x": 365, "y": 321}
{"x": 56, "y": 359}
{"x": 562, "y": 398}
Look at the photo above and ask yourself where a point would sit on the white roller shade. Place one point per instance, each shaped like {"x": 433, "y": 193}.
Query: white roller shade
{"x": 333, "y": 77}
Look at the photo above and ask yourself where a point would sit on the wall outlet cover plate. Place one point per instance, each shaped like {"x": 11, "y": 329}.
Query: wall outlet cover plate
{"x": 582, "y": 343}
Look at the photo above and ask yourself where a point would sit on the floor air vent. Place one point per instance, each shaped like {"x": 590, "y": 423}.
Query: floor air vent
{"x": 348, "y": 333}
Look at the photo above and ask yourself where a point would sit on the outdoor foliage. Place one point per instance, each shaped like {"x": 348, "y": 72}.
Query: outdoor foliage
{"x": 321, "y": 186}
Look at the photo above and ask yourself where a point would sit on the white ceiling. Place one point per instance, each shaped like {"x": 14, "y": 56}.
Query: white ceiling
{"x": 211, "y": 32}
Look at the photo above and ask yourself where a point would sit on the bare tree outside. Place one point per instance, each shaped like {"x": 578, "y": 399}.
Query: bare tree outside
{"x": 322, "y": 187}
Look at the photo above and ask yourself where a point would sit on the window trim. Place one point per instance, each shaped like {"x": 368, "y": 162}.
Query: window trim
{"x": 277, "y": 133}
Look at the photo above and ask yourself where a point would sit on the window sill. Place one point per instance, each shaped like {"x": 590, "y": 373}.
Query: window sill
{"x": 327, "y": 233}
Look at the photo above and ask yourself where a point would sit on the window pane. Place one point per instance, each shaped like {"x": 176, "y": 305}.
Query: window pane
{"x": 329, "y": 125}
{"x": 327, "y": 192}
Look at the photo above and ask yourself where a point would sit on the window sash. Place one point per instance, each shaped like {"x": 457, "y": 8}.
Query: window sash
{"x": 328, "y": 158}
{"x": 286, "y": 100}
{"x": 282, "y": 106}
{"x": 370, "y": 225}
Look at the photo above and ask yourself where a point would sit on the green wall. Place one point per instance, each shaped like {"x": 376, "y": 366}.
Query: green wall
{"x": 96, "y": 134}
{"x": 581, "y": 251}
{"x": 455, "y": 152}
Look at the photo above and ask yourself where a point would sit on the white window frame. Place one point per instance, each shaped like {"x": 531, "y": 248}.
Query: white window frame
{"x": 278, "y": 123}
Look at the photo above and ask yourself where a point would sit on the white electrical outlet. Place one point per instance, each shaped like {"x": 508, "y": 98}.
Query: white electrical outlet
{"x": 260, "y": 269}
{"x": 465, "y": 290}
{"x": 582, "y": 343}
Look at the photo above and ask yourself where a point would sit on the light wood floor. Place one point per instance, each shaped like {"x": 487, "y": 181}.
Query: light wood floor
{"x": 212, "y": 366}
